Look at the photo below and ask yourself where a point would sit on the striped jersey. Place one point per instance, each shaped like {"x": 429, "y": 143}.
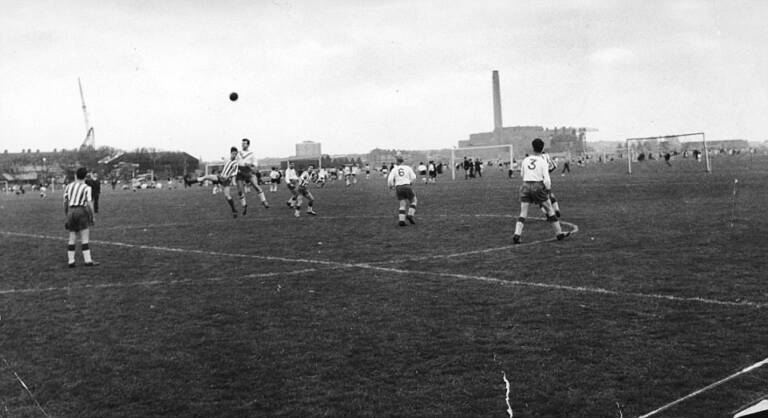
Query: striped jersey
{"x": 304, "y": 179}
{"x": 77, "y": 194}
{"x": 551, "y": 163}
{"x": 229, "y": 170}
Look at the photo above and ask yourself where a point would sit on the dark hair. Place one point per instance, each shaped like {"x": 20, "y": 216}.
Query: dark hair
{"x": 538, "y": 145}
{"x": 247, "y": 140}
{"x": 81, "y": 172}
{"x": 233, "y": 149}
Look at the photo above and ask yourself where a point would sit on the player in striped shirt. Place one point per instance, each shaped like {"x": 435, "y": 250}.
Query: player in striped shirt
{"x": 302, "y": 189}
{"x": 246, "y": 164}
{"x": 551, "y": 166}
{"x": 78, "y": 209}
{"x": 400, "y": 178}
{"x": 535, "y": 189}
{"x": 226, "y": 178}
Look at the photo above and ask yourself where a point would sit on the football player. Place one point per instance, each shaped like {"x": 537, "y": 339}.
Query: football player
{"x": 535, "y": 190}
{"x": 302, "y": 190}
{"x": 246, "y": 164}
{"x": 401, "y": 178}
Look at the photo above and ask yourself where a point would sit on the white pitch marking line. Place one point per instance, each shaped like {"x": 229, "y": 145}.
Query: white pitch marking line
{"x": 24, "y": 385}
{"x": 148, "y": 283}
{"x": 574, "y": 229}
{"x": 580, "y": 289}
{"x": 708, "y": 387}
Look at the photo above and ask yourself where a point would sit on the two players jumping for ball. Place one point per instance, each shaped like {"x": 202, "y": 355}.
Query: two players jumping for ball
{"x": 240, "y": 170}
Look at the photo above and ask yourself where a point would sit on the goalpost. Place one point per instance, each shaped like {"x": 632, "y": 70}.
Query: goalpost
{"x": 636, "y": 145}
{"x": 453, "y": 154}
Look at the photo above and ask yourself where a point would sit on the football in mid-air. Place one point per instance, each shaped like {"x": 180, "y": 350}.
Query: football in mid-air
{"x": 233, "y": 96}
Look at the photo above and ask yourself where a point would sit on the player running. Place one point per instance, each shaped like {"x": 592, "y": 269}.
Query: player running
{"x": 401, "y": 178}
{"x": 535, "y": 189}
{"x": 246, "y": 164}
{"x": 226, "y": 178}
{"x": 302, "y": 190}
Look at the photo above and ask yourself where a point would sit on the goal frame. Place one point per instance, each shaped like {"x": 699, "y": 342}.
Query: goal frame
{"x": 454, "y": 149}
{"x": 703, "y": 140}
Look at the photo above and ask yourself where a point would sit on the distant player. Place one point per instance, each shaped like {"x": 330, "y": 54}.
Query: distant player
{"x": 401, "y": 177}
{"x": 422, "y": 168}
{"x": 302, "y": 190}
{"x": 535, "y": 190}
{"x": 274, "y": 179}
{"x": 322, "y": 177}
{"x": 347, "y": 175}
{"x": 95, "y": 185}
{"x": 246, "y": 165}
{"x": 432, "y": 172}
{"x": 226, "y": 178}
{"x": 78, "y": 208}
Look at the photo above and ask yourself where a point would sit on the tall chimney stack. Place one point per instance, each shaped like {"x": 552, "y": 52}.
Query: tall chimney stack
{"x": 497, "y": 123}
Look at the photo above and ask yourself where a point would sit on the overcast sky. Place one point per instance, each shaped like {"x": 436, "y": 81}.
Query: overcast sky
{"x": 356, "y": 75}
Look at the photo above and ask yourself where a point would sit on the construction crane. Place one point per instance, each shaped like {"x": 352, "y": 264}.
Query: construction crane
{"x": 90, "y": 136}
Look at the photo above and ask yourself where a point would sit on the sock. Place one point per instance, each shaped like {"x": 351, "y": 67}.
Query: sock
{"x": 87, "y": 253}
{"x": 519, "y": 226}
{"x": 401, "y": 215}
{"x": 71, "y": 253}
{"x": 231, "y": 204}
{"x": 262, "y": 197}
{"x": 412, "y": 209}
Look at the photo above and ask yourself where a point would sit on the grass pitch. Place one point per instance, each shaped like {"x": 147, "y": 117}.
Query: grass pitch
{"x": 192, "y": 313}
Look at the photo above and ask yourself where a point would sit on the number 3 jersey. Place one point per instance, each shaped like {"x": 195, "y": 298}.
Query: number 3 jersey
{"x": 536, "y": 168}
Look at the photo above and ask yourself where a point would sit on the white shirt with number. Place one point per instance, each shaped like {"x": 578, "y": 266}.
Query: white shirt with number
{"x": 401, "y": 175}
{"x": 535, "y": 168}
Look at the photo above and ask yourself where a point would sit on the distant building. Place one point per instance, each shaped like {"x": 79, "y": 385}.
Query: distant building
{"x": 564, "y": 139}
{"x": 308, "y": 149}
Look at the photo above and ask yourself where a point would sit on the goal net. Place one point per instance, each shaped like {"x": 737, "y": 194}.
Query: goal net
{"x": 500, "y": 153}
{"x": 690, "y": 146}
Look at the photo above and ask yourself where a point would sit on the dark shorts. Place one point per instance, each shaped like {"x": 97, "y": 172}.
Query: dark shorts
{"x": 533, "y": 192}
{"x": 422, "y": 173}
{"x": 433, "y": 174}
{"x": 404, "y": 192}
{"x": 305, "y": 192}
{"x": 78, "y": 219}
{"x": 244, "y": 173}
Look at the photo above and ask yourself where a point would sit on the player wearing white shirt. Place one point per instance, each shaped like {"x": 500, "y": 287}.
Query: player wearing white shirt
{"x": 347, "y": 170}
{"x": 322, "y": 176}
{"x": 302, "y": 189}
{"x": 432, "y": 172}
{"x": 535, "y": 189}
{"x": 400, "y": 178}
{"x": 246, "y": 164}
{"x": 274, "y": 179}
{"x": 422, "y": 172}
{"x": 292, "y": 182}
